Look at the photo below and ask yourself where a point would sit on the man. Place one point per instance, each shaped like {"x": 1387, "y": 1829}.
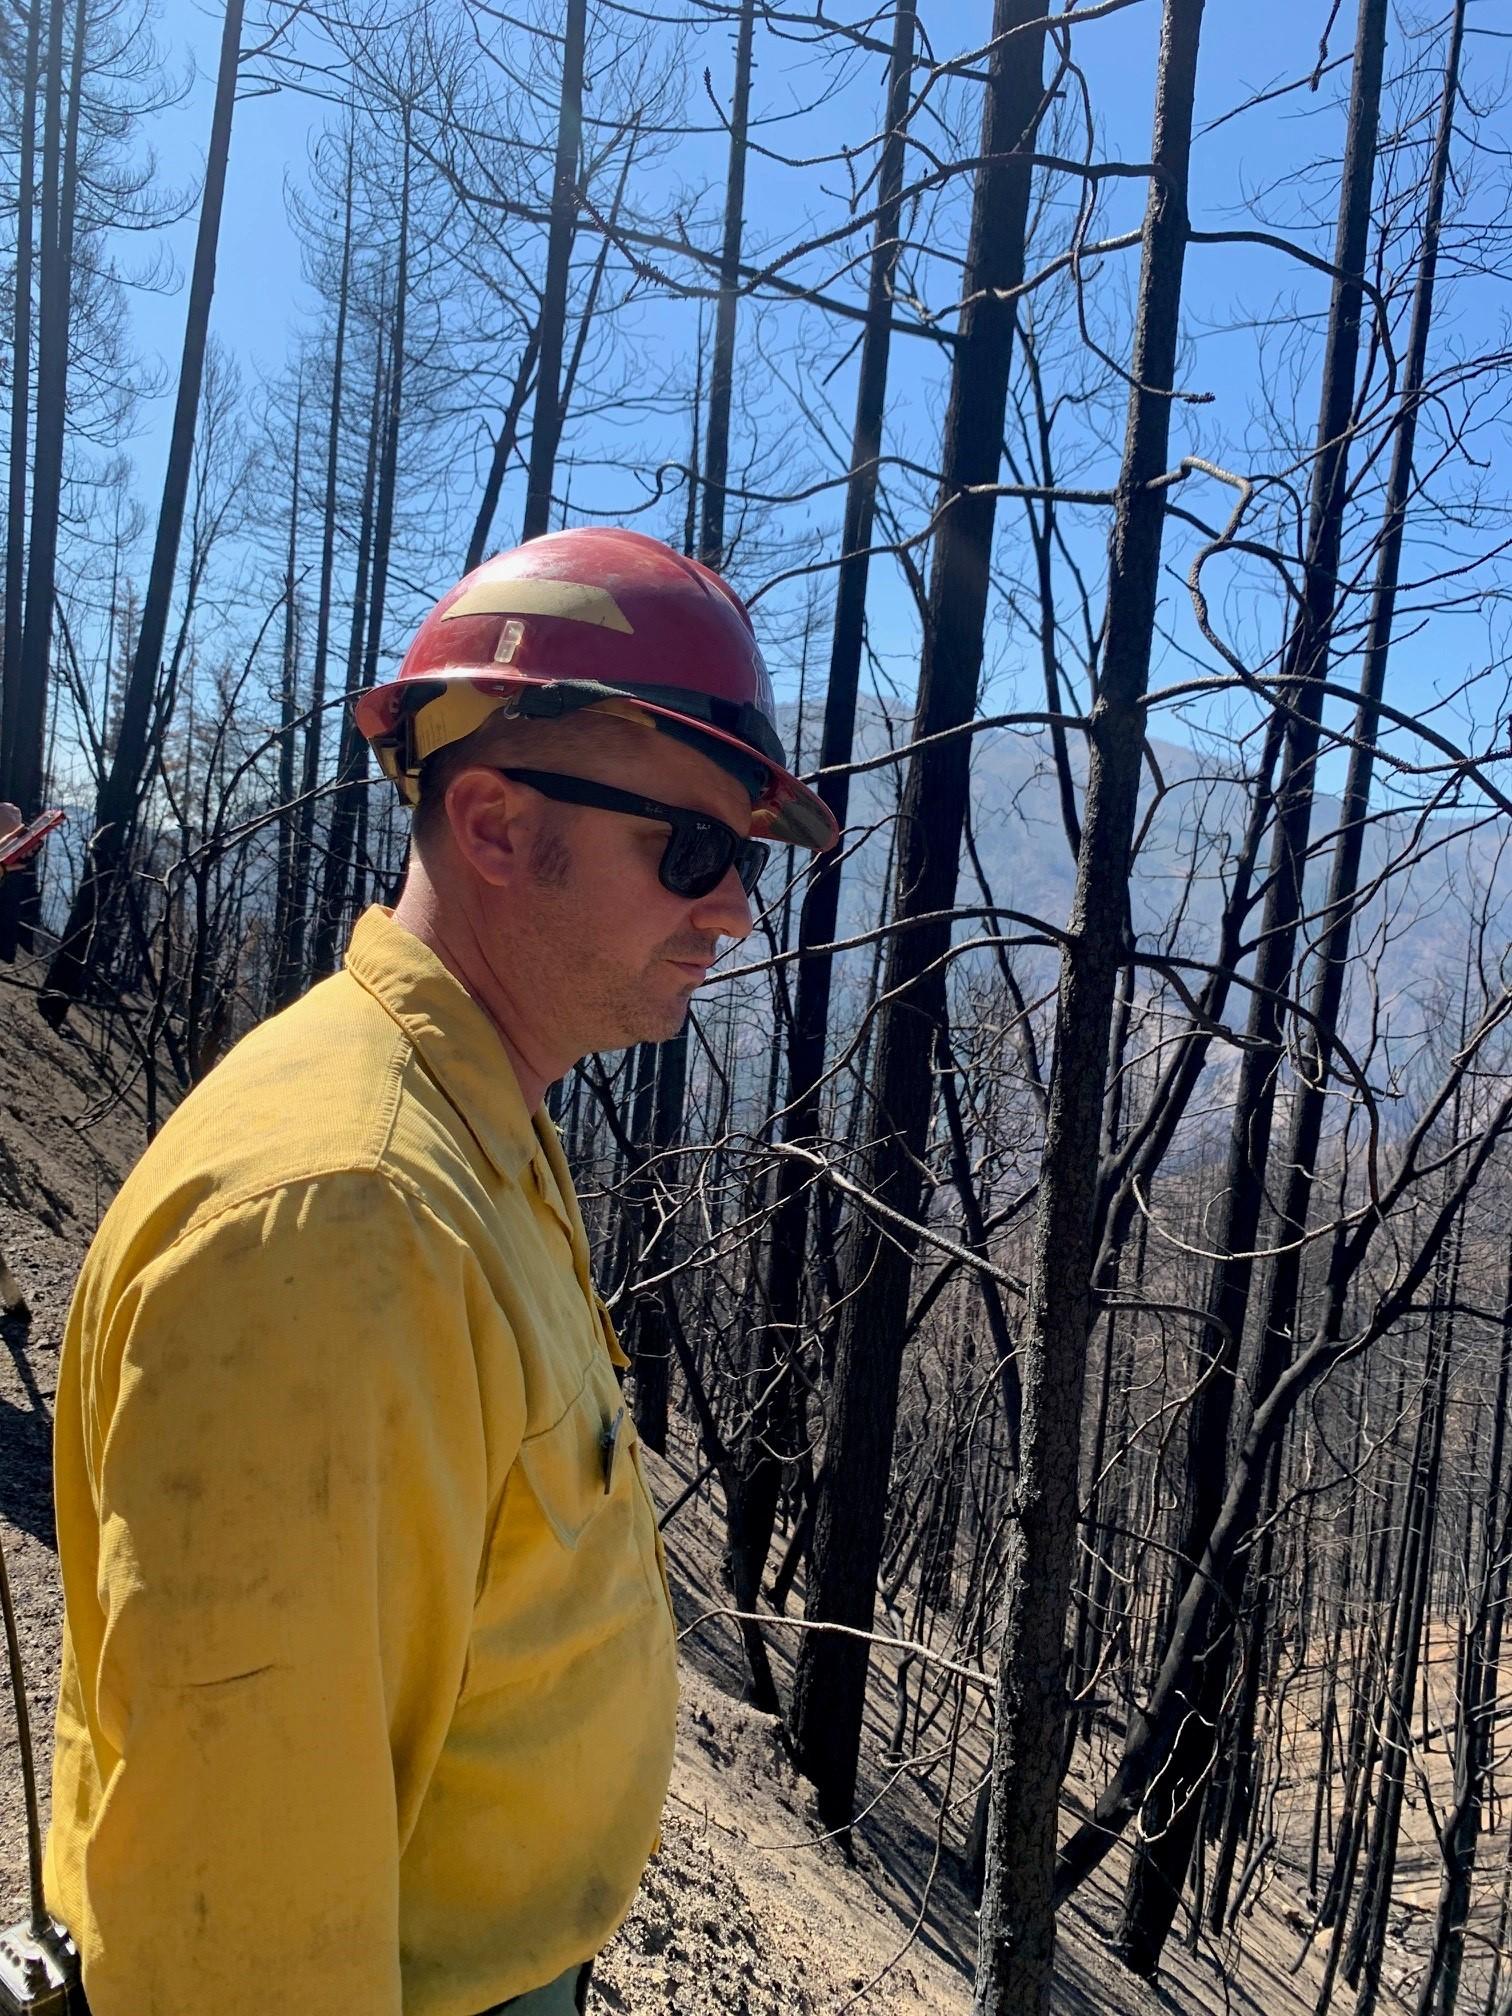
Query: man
{"x": 369, "y": 1671}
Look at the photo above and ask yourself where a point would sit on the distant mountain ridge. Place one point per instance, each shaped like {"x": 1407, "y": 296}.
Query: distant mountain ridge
{"x": 1414, "y": 928}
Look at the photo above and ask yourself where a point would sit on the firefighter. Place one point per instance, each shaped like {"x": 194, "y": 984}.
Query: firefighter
{"x": 368, "y": 1685}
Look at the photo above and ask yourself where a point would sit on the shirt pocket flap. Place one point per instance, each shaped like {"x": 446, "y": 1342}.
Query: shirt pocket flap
{"x": 566, "y": 1466}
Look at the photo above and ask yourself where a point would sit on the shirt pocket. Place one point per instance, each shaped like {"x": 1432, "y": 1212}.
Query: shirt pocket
{"x": 565, "y": 1467}
{"x": 601, "y": 1512}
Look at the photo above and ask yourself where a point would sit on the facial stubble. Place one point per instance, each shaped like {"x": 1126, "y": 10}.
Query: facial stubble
{"x": 617, "y": 1009}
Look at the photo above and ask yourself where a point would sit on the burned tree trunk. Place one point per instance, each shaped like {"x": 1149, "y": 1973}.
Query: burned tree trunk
{"x": 1476, "y": 1696}
{"x": 546, "y": 421}
{"x": 20, "y": 394}
{"x": 120, "y": 795}
{"x": 830, "y": 1684}
{"x": 1160, "y": 1860}
{"x": 288, "y": 712}
{"x": 1367, "y": 1945}
{"x": 775, "y": 1429}
{"x": 291, "y": 950}
{"x": 716, "y": 465}
{"x": 26, "y": 708}
{"x": 331, "y": 904}
{"x": 503, "y": 448}
{"x": 344, "y": 842}
{"x": 1325, "y": 1004}
{"x": 655, "y": 1315}
{"x": 1017, "y": 1940}
{"x": 1153, "y": 1730}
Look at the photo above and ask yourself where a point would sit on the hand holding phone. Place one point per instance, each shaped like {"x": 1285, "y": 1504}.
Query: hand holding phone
{"x": 22, "y": 842}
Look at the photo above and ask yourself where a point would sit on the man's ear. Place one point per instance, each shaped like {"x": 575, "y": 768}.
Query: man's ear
{"x": 485, "y": 813}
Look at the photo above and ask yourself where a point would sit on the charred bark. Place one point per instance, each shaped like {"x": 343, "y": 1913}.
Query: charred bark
{"x": 716, "y": 461}
{"x": 291, "y": 951}
{"x": 546, "y": 419}
{"x": 119, "y": 799}
{"x": 775, "y": 1429}
{"x": 288, "y": 707}
{"x": 1170, "y": 1826}
{"x": 20, "y": 393}
{"x": 1017, "y": 1939}
{"x": 331, "y": 903}
{"x": 830, "y": 1683}
{"x": 26, "y": 713}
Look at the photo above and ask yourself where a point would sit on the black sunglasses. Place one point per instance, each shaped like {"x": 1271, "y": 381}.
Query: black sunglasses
{"x": 700, "y": 851}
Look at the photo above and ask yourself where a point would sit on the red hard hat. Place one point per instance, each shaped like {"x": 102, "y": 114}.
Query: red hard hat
{"x": 581, "y": 617}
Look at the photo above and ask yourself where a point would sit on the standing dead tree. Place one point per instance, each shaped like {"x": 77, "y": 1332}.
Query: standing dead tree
{"x": 775, "y": 1431}
{"x": 26, "y": 690}
{"x": 546, "y": 424}
{"x": 1170, "y": 1823}
{"x": 289, "y": 973}
{"x": 1018, "y": 1917}
{"x": 120, "y": 795}
{"x": 830, "y": 1681}
{"x": 20, "y": 394}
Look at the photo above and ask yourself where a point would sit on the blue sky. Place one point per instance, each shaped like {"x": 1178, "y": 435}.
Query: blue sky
{"x": 260, "y": 298}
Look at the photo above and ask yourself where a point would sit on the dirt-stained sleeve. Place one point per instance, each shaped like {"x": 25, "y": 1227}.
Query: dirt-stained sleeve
{"x": 293, "y": 1494}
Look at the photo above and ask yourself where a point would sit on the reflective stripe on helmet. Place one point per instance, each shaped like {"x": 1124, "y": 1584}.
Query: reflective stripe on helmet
{"x": 513, "y": 595}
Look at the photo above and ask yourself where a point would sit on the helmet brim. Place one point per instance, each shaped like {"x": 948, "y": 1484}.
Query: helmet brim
{"x": 787, "y": 811}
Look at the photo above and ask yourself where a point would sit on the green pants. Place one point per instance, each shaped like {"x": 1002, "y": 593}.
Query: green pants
{"x": 566, "y": 1996}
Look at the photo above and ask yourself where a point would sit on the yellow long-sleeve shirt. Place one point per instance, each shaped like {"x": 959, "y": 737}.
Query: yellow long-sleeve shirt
{"x": 369, "y": 1671}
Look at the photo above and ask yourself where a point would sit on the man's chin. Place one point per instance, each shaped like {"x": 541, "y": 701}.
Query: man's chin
{"x": 668, "y": 1024}
{"x": 651, "y": 1026}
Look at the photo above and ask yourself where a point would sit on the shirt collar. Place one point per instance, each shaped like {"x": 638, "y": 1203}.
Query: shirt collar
{"x": 457, "y": 1043}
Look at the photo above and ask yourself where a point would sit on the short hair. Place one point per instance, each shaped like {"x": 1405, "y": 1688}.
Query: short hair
{"x": 507, "y": 739}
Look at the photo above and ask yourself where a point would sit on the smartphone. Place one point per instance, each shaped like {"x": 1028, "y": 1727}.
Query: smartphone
{"x": 27, "y": 840}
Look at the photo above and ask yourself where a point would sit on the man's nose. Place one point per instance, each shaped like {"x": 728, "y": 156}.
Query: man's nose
{"x": 726, "y": 910}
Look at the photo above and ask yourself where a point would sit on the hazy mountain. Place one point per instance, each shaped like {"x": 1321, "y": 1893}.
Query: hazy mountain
{"x": 1415, "y": 930}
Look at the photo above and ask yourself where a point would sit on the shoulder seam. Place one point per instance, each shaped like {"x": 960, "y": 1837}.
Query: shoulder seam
{"x": 402, "y": 1186}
